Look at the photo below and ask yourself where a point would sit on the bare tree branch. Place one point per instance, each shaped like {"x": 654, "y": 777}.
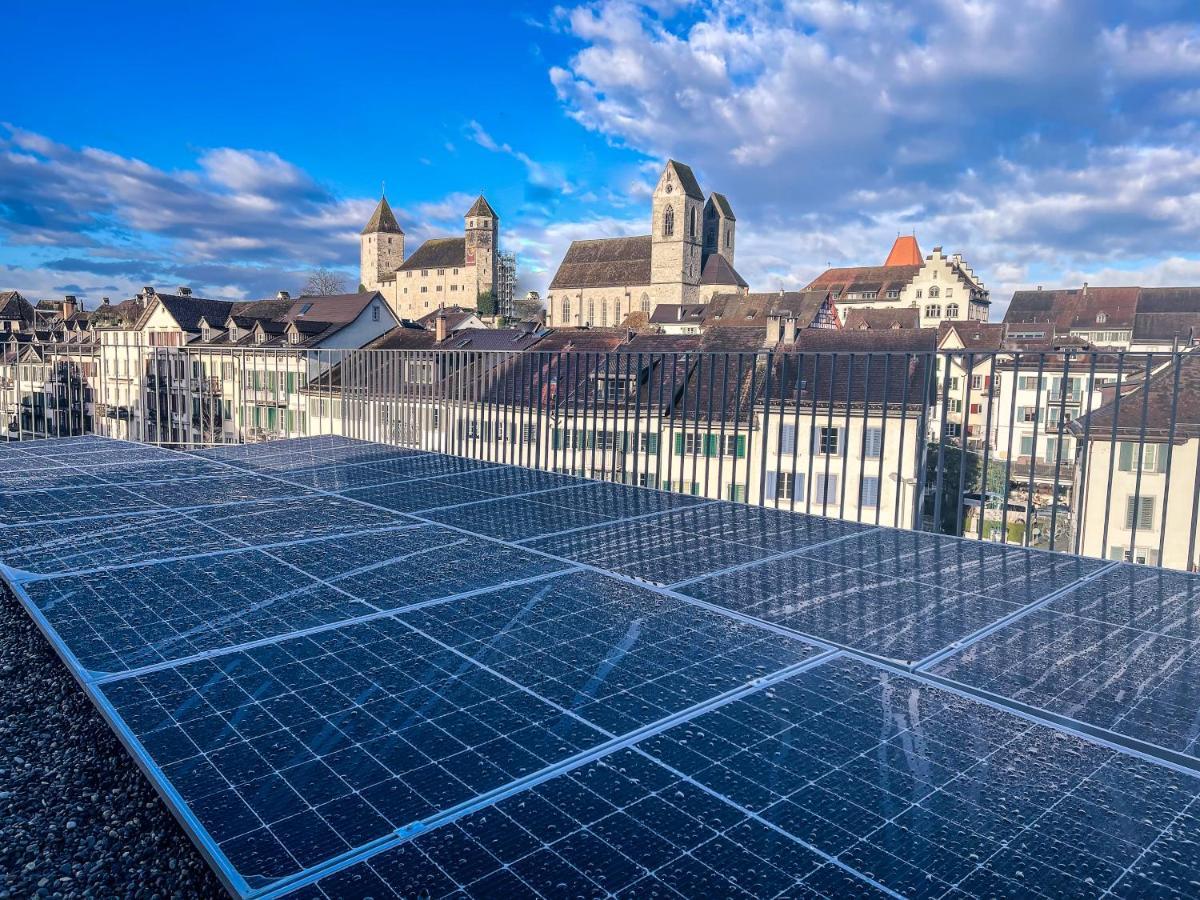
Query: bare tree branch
{"x": 322, "y": 282}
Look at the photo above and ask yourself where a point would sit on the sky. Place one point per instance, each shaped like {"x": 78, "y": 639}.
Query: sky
{"x": 236, "y": 147}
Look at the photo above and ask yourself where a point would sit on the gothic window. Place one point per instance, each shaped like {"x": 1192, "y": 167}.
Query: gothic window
{"x": 566, "y": 311}
{"x": 933, "y": 291}
{"x": 603, "y": 313}
{"x": 951, "y": 310}
{"x": 645, "y": 303}
{"x": 591, "y": 312}
{"x": 617, "y": 313}
{"x": 728, "y": 237}
{"x": 669, "y": 222}
{"x": 692, "y": 222}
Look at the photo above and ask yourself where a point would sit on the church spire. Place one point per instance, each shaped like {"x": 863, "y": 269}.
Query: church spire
{"x": 383, "y": 221}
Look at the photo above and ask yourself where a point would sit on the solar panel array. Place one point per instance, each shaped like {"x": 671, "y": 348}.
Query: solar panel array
{"x": 357, "y": 670}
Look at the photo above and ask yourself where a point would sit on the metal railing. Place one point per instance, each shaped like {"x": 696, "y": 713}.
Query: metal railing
{"x": 984, "y": 445}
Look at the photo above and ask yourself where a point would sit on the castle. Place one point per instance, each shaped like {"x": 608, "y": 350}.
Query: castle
{"x": 450, "y": 270}
{"x": 686, "y": 258}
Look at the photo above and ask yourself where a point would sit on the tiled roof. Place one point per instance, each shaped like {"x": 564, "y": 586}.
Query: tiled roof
{"x": 1163, "y": 328}
{"x": 187, "y": 311}
{"x": 678, "y": 313}
{"x": 438, "y": 253}
{"x": 687, "y": 179}
{"x": 722, "y": 205}
{"x": 717, "y": 270}
{"x": 904, "y": 252}
{"x": 1157, "y": 407}
{"x": 882, "y": 319}
{"x": 335, "y": 309}
{"x": 1075, "y": 307}
{"x": 856, "y": 279}
{"x": 482, "y": 208}
{"x": 606, "y": 262}
{"x": 382, "y": 220}
{"x": 14, "y": 307}
{"x": 974, "y": 335}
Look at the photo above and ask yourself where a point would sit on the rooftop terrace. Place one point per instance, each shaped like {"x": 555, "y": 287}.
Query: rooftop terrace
{"x": 356, "y": 670}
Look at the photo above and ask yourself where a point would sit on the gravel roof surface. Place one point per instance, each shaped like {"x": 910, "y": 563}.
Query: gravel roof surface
{"x": 77, "y": 817}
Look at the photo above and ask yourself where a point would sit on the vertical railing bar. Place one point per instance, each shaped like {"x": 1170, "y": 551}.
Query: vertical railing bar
{"x": 862, "y": 452}
{"x": 1177, "y": 359}
{"x": 943, "y": 432}
{"x": 708, "y": 428}
{"x": 844, "y": 448}
{"x": 1113, "y": 449}
{"x": 1141, "y": 457}
{"x": 764, "y": 433}
{"x": 812, "y": 434}
{"x": 1062, "y": 415}
{"x": 963, "y": 449}
{"x": 737, "y": 418}
{"x": 1037, "y": 415}
{"x": 928, "y": 395}
{"x": 799, "y": 396}
{"x": 724, "y": 419}
{"x": 1081, "y": 483}
{"x": 750, "y": 402}
{"x": 990, "y": 393}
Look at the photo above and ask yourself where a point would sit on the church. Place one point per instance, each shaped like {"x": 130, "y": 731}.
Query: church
{"x": 448, "y": 270}
{"x": 686, "y": 258}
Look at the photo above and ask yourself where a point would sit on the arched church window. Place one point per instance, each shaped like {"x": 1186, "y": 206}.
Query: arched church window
{"x": 617, "y": 313}
{"x": 645, "y": 303}
{"x": 933, "y": 291}
{"x": 566, "y": 311}
{"x": 603, "y": 313}
{"x": 591, "y": 312}
{"x": 669, "y": 222}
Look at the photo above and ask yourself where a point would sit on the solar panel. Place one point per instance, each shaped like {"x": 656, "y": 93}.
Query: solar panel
{"x": 357, "y": 670}
{"x": 1121, "y": 652}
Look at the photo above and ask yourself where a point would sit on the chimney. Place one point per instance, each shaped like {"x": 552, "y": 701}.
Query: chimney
{"x": 69, "y": 306}
{"x": 774, "y": 326}
{"x": 283, "y": 295}
{"x": 441, "y": 328}
{"x": 1039, "y": 287}
{"x": 789, "y": 331}
{"x": 183, "y": 291}
{"x": 1085, "y": 289}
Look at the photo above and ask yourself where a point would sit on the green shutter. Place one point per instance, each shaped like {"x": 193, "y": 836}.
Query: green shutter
{"x": 710, "y": 445}
{"x": 291, "y": 382}
{"x": 679, "y": 444}
{"x": 652, "y": 443}
{"x": 741, "y": 446}
{"x": 1126, "y": 463}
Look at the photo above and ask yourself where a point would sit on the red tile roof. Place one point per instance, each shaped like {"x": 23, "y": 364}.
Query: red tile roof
{"x": 905, "y": 252}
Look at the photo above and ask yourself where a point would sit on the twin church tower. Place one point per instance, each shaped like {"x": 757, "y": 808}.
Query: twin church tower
{"x": 447, "y": 270}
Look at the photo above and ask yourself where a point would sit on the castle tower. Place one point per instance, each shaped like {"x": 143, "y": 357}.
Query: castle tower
{"x": 483, "y": 235}
{"x": 676, "y": 230}
{"x": 381, "y": 247}
{"x": 719, "y": 223}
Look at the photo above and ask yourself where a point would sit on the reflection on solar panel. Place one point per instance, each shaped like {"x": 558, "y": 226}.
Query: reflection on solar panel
{"x": 357, "y": 670}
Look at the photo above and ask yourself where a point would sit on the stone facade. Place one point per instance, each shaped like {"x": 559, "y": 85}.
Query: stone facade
{"x": 453, "y": 271}
{"x": 686, "y": 258}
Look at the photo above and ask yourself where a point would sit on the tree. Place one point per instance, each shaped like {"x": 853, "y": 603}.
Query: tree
{"x": 322, "y": 282}
{"x": 485, "y": 303}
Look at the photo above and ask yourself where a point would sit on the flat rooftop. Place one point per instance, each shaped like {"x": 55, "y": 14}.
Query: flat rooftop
{"x": 356, "y": 670}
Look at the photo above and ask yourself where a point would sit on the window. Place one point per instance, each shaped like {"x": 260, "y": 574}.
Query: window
{"x": 826, "y": 440}
{"x": 919, "y": 295}
{"x": 617, "y": 313}
{"x": 1028, "y": 382}
{"x": 566, "y": 310}
{"x": 603, "y": 314}
{"x": 728, "y": 237}
{"x": 646, "y": 303}
{"x": 1139, "y": 555}
{"x": 870, "y": 492}
{"x": 934, "y": 292}
{"x": 872, "y": 443}
{"x": 668, "y": 228}
{"x": 692, "y": 222}
{"x": 681, "y": 487}
{"x": 1101, "y": 318}
{"x": 424, "y": 289}
{"x": 787, "y": 439}
{"x": 782, "y": 485}
{"x": 953, "y": 430}
{"x": 735, "y": 492}
{"x": 949, "y": 293}
{"x": 826, "y": 488}
{"x": 693, "y": 444}
{"x": 1027, "y": 445}
{"x": 1154, "y": 457}
{"x": 954, "y": 405}
{"x": 591, "y": 317}
{"x": 951, "y": 310}
{"x": 893, "y": 293}
{"x": 1141, "y": 511}
{"x": 933, "y": 311}
{"x": 293, "y": 337}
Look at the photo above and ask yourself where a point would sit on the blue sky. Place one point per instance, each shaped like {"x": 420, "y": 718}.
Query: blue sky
{"x": 234, "y": 147}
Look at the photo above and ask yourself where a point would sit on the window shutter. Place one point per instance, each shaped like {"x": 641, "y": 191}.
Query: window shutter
{"x": 870, "y": 492}
{"x": 772, "y": 485}
{"x": 874, "y": 442}
{"x": 710, "y": 445}
{"x": 787, "y": 439}
{"x": 679, "y": 444}
{"x": 741, "y": 446}
{"x": 1160, "y": 458}
{"x": 1146, "y": 513}
{"x": 1126, "y": 463}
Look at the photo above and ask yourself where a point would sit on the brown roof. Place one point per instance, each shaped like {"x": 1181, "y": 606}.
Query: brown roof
{"x": 687, "y": 179}
{"x": 1075, "y": 307}
{"x": 1163, "y": 328}
{"x": 882, "y": 319}
{"x": 382, "y": 220}
{"x": 481, "y": 208}
{"x": 14, "y": 307}
{"x": 904, "y": 252}
{"x": 974, "y": 335}
{"x": 675, "y": 313}
{"x": 717, "y": 270}
{"x": 455, "y": 316}
{"x": 335, "y": 309}
{"x": 437, "y": 253}
{"x": 1157, "y": 407}
{"x": 606, "y": 262}
{"x": 1169, "y": 300}
{"x": 856, "y": 279}
{"x": 722, "y": 205}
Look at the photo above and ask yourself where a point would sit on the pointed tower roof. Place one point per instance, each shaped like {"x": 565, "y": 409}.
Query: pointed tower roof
{"x": 905, "y": 252}
{"x": 481, "y": 208}
{"x": 687, "y": 179}
{"x": 383, "y": 220}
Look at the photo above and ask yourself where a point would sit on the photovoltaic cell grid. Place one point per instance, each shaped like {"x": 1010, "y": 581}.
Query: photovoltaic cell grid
{"x": 353, "y": 669}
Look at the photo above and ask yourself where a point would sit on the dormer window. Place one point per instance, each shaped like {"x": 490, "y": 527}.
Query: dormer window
{"x": 293, "y": 337}
{"x": 1101, "y": 318}
{"x": 305, "y": 308}
{"x": 233, "y": 331}
{"x": 260, "y": 337}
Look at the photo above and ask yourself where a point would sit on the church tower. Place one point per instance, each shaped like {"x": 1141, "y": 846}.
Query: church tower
{"x": 483, "y": 235}
{"x": 381, "y": 247}
{"x": 676, "y": 226}
{"x": 719, "y": 223}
